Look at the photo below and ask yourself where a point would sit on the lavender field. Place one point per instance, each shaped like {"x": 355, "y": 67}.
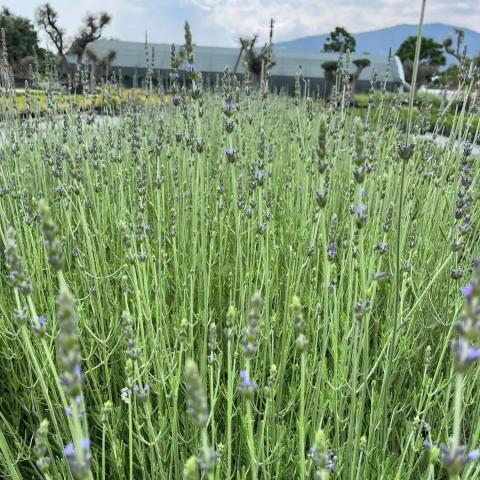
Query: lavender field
{"x": 233, "y": 284}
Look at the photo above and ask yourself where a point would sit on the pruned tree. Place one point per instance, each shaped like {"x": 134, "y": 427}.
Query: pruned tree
{"x": 340, "y": 41}
{"x": 101, "y": 65}
{"x": 361, "y": 64}
{"x": 258, "y": 60}
{"x": 107, "y": 60}
{"x": 331, "y": 69}
{"x": 89, "y": 33}
{"x": 47, "y": 18}
{"x": 457, "y": 51}
{"x": 253, "y": 57}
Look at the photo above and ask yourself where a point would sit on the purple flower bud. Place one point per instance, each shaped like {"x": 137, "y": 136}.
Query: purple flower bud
{"x": 247, "y": 386}
{"x": 360, "y": 209}
{"x": 332, "y": 252}
{"x": 455, "y": 459}
{"x": 467, "y": 291}
{"x": 232, "y": 154}
{"x": 85, "y": 443}
{"x": 361, "y": 215}
{"x": 464, "y": 355}
{"x": 69, "y": 450}
{"x": 39, "y": 326}
{"x": 229, "y": 109}
{"x": 473, "y": 456}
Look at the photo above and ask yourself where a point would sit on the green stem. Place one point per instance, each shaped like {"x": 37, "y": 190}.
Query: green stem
{"x": 397, "y": 291}
{"x": 251, "y": 444}
{"x": 301, "y": 420}
{"x": 457, "y": 417}
{"x": 229, "y": 409}
{"x": 206, "y": 451}
{"x": 103, "y": 451}
{"x": 130, "y": 440}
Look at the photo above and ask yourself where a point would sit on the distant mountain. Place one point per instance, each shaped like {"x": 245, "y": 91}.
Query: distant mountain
{"x": 378, "y": 42}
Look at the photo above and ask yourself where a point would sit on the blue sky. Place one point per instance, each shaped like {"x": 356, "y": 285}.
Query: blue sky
{"x": 220, "y": 22}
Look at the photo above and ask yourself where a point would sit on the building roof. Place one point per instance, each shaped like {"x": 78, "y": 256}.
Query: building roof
{"x": 216, "y": 59}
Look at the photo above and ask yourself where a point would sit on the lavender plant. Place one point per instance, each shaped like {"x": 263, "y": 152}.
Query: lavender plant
{"x": 161, "y": 214}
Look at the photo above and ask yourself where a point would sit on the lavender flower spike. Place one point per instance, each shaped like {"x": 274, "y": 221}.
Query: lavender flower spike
{"x": 464, "y": 355}
{"x": 247, "y": 386}
{"x": 455, "y": 459}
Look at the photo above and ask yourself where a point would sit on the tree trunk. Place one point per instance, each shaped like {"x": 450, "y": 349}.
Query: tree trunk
{"x": 65, "y": 65}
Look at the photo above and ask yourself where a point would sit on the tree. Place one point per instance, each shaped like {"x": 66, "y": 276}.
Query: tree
{"x": 431, "y": 57}
{"x": 21, "y": 39}
{"x": 89, "y": 33}
{"x": 340, "y": 40}
{"x": 431, "y": 52}
{"x": 254, "y": 58}
{"x": 457, "y": 51}
{"x": 101, "y": 65}
{"x": 361, "y": 64}
{"x": 331, "y": 69}
{"x": 425, "y": 73}
{"x": 257, "y": 60}
{"x": 47, "y": 18}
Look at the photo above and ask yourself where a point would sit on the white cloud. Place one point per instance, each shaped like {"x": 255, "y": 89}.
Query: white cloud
{"x": 309, "y": 17}
{"x": 221, "y": 22}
